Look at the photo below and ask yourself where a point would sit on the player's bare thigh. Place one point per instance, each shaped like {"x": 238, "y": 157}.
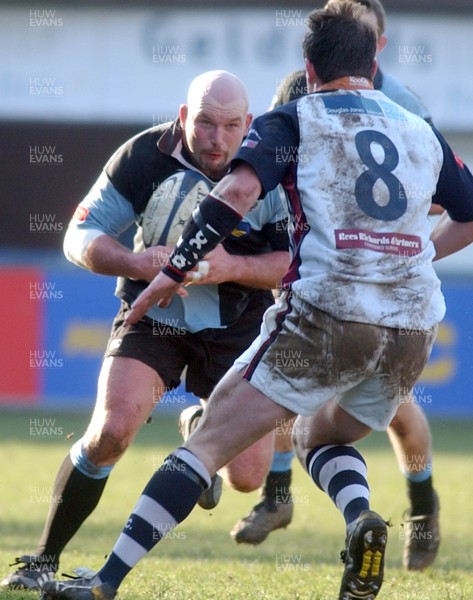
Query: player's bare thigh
{"x": 236, "y": 417}
{"x": 330, "y": 425}
{"x": 127, "y": 392}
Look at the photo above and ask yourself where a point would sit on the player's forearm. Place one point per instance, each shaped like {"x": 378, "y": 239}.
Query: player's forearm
{"x": 239, "y": 189}
{"x": 450, "y": 236}
{"x": 264, "y": 271}
{"x": 102, "y": 254}
{"x": 106, "y": 256}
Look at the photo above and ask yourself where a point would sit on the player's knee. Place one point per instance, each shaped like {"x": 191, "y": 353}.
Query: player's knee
{"x": 409, "y": 417}
{"x": 245, "y": 481}
{"x": 109, "y": 444}
{"x": 244, "y": 486}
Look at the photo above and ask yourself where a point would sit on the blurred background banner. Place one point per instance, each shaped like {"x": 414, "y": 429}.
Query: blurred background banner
{"x": 56, "y": 345}
{"x": 55, "y": 338}
{"x": 134, "y": 64}
{"x": 79, "y": 78}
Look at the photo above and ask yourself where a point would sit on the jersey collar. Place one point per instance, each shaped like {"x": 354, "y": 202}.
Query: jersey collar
{"x": 350, "y": 82}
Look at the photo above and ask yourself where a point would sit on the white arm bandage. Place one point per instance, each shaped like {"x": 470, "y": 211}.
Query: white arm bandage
{"x": 76, "y": 242}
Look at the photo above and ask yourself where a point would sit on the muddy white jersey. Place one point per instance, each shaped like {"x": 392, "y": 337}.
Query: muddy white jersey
{"x": 360, "y": 174}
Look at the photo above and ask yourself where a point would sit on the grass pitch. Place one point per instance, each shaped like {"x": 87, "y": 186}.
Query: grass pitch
{"x": 199, "y": 560}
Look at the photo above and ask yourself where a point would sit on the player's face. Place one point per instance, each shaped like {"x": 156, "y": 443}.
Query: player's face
{"x": 213, "y": 134}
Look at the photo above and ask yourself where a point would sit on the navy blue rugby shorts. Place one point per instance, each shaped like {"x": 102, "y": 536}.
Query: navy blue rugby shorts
{"x": 203, "y": 357}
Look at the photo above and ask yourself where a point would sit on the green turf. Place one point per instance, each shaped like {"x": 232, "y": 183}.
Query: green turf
{"x": 199, "y": 560}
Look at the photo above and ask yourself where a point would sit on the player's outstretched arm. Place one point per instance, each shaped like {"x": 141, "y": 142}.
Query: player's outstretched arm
{"x": 214, "y": 219}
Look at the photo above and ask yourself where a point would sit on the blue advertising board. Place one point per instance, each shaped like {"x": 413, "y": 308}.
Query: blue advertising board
{"x": 72, "y": 311}
{"x": 444, "y": 390}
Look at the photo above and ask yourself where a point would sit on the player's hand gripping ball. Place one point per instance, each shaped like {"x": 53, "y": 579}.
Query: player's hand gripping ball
{"x": 171, "y": 205}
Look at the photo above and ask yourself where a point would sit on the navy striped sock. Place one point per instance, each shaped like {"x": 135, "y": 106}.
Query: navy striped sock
{"x": 340, "y": 471}
{"x": 170, "y": 495}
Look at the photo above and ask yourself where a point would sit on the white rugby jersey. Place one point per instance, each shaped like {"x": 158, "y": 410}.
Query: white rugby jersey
{"x": 360, "y": 173}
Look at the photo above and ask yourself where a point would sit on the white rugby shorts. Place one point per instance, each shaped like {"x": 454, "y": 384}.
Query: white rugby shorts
{"x": 304, "y": 357}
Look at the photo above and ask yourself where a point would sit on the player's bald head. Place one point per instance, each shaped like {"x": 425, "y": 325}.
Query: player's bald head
{"x": 219, "y": 89}
{"x": 214, "y": 121}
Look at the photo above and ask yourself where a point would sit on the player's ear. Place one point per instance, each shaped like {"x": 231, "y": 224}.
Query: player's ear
{"x": 311, "y": 75}
{"x": 374, "y": 68}
{"x": 249, "y": 118}
{"x": 183, "y": 110}
{"x": 382, "y": 41}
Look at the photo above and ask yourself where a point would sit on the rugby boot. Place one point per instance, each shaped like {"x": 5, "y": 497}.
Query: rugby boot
{"x": 421, "y": 539}
{"x": 34, "y": 571}
{"x": 266, "y": 516}
{"x": 364, "y": 558}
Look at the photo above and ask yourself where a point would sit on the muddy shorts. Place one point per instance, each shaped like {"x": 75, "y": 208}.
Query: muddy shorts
{"x": 304, "y": 356}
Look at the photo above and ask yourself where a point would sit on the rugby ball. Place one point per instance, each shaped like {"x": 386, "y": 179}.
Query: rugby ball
{"x": 171, "y": 205}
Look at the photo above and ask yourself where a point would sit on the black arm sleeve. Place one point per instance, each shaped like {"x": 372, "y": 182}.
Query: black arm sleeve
{"x": 210, "y": 223}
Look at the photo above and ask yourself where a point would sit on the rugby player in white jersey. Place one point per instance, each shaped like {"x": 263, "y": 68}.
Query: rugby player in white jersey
{"x": 409, "y": 432}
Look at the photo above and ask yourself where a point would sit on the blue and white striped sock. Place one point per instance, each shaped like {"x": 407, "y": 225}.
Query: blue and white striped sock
{"x": 340, "y": 472}
{"x": 169, "y": 497}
